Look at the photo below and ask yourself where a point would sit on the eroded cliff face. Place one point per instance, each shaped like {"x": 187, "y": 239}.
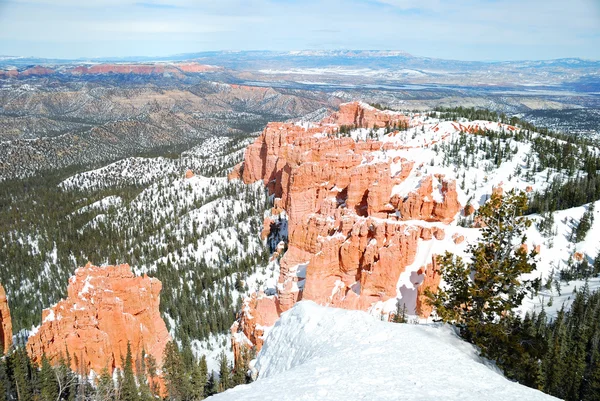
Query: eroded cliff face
{"x": 356, "y": 214}
{"x": 106, "y": 308}
{"x": 5, "y": 323}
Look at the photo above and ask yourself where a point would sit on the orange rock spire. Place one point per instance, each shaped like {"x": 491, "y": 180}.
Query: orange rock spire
{"x": 106, "y": 308}
{"x": 5, "y": 323}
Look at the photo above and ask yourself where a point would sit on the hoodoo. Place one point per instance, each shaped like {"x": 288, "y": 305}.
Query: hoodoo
{"x": 356, "y": 212}
{"x": 5, "y": 323}
{"x": 106, "y": 308}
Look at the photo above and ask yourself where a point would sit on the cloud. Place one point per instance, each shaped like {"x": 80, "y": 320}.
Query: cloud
{"x": 467, "y": 29}
{"x": 156, "y": 5}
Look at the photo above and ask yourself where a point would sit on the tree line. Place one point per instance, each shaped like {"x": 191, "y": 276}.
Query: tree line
{"x": 183, "y": 377}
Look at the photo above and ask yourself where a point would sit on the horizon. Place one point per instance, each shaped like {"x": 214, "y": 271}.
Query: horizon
{"x": 194, "y": 55}
{"x": 465, "y": 30}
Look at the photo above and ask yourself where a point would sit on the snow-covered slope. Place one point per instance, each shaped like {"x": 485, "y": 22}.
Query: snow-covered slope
{"x": 320, "y": 353}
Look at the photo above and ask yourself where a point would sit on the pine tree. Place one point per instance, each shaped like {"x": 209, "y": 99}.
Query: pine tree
{"x": 174, "y": 373}
{"x": 481, "y": 295}
{"x": 197, "y": 382}
{"x": 128, "y": 391}
{"x": 105, "y": 388}
{"x": 4, "y": 381}
{"x": 212, "y": 386}
{"x": 152, "y": 375}
{"x": 21, "y": 370}
{"x": 489, "y": 286}
{"x": 585, "y": 223}
{"x": 224, "y": 373}
{"x": 48, "y": 384}
{"x": 596, "y": 267}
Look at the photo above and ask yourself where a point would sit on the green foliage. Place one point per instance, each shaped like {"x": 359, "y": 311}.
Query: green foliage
{"x": 105, "y": 388}
{"x": 400, "y": 315}
{"x": 174, "y": 373}
{"x": 224, "y": 373}
{"x": 48, "y": 384}
{"x": 488, "y": 287}
{"x": 128, "y": 390}
{"x": 481, "y": 295}
{"x": 24, "y": 375}
{"x": 585, "y": 223}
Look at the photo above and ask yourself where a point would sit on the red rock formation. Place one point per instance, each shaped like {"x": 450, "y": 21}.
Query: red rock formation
{"x": 348, "y": 236}
{"x": 236, "y": 173}
{"x": 5, "y": 323}
{"x": 362, "y": 115}
{"x": 430, "y": 282}
{"x": 258, "y": 313}
{"x": 106, "y": 308}
{"x": 189, "y": 174}
{"x": 37, "y": 70}
{"x": 468, "y": 210}
{"x": 458, "y": 239}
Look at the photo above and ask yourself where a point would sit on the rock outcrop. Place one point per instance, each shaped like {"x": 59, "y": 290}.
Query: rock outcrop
{"x": 5, "y": 323}
{"x": 351, "y": 211}
{"x": 189, "y": 174}
{"x": 106, "y": 308}
{"x": 259, "y": 313}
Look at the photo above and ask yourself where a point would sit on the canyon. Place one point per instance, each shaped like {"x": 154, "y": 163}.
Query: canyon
{"x": 107, "y": 308}
{"x": 354, "y": 218}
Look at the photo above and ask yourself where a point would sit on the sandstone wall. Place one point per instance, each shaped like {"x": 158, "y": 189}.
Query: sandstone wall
{"x": 106, "y": 308}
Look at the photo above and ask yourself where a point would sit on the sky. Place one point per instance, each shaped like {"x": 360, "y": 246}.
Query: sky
{"x": 451, "y": 29}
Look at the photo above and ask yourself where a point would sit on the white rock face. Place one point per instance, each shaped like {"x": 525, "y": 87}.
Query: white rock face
{"x": 319, "y": 353}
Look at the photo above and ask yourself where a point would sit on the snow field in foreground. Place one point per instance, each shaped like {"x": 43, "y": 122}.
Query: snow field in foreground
{"x": 320, "y": 353}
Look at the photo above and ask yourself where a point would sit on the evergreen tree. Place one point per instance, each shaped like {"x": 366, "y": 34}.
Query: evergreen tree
{"x": 212, "y": 386}
{"x": 224, "y": 373}
{"x": 481, "y": 295}
{"x": 105, "y": 388}
{"x": 152, "y": 375}
{"x": 49, "y": 386}
{"x": 174, "y": 373}
{"x": 585, "y": 223}
{"x": 128, "y": 391}
{"x": 197, "y": 382}
{"x": 22, "y": 375}
{"x": 4, "y": 381}
{"x": 489, "y": 286}
{"x": 596, "y": 267}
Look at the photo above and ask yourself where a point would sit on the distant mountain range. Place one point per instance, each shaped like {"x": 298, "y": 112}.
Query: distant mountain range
{"x": 308, "y": 57}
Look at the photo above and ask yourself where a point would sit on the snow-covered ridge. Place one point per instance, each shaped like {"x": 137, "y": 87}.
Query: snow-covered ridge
{"x": 319, "y": 353}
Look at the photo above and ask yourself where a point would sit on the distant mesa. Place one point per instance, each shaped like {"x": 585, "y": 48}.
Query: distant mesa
{"x": 5, "y": 323}
{"x": 177, "y": 69}
{"x": 106, "y": 308}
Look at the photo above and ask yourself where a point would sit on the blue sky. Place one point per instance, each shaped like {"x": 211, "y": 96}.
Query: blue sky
{"x": 452, "y": 29}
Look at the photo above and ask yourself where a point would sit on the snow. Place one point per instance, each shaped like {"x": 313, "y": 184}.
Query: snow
{"x": 212, "y": 349}
{"x": 555, "y": 253}
{"x": 320, "y": 353}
